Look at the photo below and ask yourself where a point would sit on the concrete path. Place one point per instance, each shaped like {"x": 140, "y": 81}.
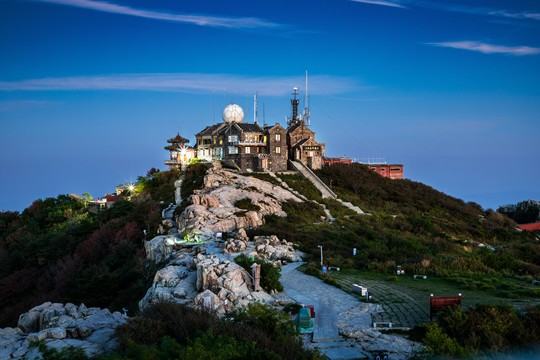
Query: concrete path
{"x": 330, "y": 302}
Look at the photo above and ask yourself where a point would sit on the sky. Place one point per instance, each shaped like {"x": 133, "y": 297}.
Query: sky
{"x": 90, "y": 90}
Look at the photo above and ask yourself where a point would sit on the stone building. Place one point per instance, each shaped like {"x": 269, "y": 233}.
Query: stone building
{"x": 301, "y": 142}
{"x": 250, "y": 147}
{"x": 244, "y": 145}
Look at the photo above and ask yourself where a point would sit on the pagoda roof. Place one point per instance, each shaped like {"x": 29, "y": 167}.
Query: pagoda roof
{"x": 178, "y": 140}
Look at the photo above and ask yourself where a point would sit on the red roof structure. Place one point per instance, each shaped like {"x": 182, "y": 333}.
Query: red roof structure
{"x": 532, "y": 227}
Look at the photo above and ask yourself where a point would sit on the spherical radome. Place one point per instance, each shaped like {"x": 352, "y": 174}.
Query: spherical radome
{"x": 233, "y": 113}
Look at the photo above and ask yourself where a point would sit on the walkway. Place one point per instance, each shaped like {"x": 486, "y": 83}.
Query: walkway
{"x": 330, "y": 302}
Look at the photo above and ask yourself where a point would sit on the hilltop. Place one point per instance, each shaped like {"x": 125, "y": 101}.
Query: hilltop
{"x": 139, "y": 252}
{"x": 409, "y": 224}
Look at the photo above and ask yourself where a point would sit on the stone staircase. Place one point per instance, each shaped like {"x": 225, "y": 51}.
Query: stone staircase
{"x": 326, "y": 192}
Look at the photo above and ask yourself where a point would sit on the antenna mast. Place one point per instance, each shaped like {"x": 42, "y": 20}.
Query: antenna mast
{"x": 306, "y": 102}
{"x": 255, "y": 108}
{"x": 264, "y": 115}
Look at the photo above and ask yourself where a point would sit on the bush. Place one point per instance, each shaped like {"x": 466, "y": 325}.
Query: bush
{"x": 485, "y": 328}
{"x": 270, "y": 274}
{"x": 167, "y": 331}
{"x": 439, "y": 343}
{"x": 246, "y": 204}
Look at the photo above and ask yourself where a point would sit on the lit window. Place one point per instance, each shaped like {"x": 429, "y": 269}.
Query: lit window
{"x": 278, "y": 150}
{"x": 278, "y": 137}
{"x": 248, "y": 150}
{"x": 233, "y": 138}
{"x": 233, "y": 150}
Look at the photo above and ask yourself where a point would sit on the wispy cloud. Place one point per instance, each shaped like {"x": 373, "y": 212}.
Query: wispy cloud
{"x": 450, "y": 7}
{"x": 185, "y": 82}
{"x": 200, "y": 20}
{"x": 486, "y": 48}
{"x": 515, "y": 15}
{"x": 381, "y": 3}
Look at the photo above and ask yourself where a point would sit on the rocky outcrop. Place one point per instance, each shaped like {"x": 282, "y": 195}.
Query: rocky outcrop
{"x": 373, "y": 341}
{"x": 59, "y": 326}
{"x": 273, "y": 249}
{"x": 238, "y": 243}
{"x": 213, "y": 208}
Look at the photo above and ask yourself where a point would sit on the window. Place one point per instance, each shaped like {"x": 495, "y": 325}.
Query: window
{"x": 264, "y": 139}
{"x": 233, "y": 138}
{"x": 233, "y": 150}
{"x": 248, "y": 150}
{"x": 220, "y": 141}
{"x": 278, "y": 150}
{"x": 278, "y": 137}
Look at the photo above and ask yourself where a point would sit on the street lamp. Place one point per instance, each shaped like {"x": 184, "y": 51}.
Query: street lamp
{"x": 320, "y": 247}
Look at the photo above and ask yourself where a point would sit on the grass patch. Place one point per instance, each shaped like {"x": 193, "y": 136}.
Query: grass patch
{"x": 246, "y": 204}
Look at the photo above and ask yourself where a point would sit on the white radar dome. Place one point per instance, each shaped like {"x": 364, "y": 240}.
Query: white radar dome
{"x": 233, "y": 113}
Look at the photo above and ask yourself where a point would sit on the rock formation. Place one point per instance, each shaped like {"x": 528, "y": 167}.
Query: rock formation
{"x": 59, "y": 326}
{"x": 213, "y": 208}
{"x": 271, "y": 248}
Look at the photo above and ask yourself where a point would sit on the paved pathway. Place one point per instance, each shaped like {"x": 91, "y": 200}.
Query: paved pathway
{"x": 330, "y": 302}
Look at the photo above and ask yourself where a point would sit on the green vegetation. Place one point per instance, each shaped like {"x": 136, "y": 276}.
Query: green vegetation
{"x": 270, "y": 274}
{"x": 302, "y": 185}
{"x": 169, "y": 331}
{"x": 246, "y": 204}
{"x": 523, "y": 212}
{"x": 193, "y": 179}
{"x": 59, "y": 250}
{"x": 411, "y": 224}
{"x": 485, "y": 328}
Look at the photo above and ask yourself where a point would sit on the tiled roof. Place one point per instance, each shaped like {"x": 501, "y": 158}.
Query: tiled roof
{"x": 249, "y": 127}
{"x": 209, "y": 130}
{"x": 533, "y": 227}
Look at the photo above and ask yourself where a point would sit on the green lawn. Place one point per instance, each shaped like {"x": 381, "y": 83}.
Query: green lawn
{"x": 405, "y": 300}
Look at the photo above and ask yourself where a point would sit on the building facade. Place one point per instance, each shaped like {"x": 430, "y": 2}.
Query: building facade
{"x": 301, "y": 141}
{"x": 180, "y": 153}
{"x": 391, "y": 171}
{"x": 250, "y": 147}
{"x": 246, "y": 146}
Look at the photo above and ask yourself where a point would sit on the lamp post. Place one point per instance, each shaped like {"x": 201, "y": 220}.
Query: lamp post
{"x": 320, "y": 247}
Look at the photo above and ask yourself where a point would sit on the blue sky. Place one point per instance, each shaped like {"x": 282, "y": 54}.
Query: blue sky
{"x": 90, "y": 90}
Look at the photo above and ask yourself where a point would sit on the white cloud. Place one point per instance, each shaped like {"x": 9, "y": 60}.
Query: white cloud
{"x": 514, "y": 15}
{"x": 486, "y": 48}
{"x": 381, "y": 3}
{"x": 201, "y": 20}
{"x": 185, "y": 82}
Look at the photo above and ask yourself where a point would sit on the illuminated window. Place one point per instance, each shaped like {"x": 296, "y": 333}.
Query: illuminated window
{"x": 233, "y": 138}
{"x": 233, "y": 150}
{"x": 278, "y": 137}
{"x": 248, "y": 150}
{"x": 278, "y": 150}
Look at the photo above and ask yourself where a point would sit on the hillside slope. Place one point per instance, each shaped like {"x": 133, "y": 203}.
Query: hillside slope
{"x": 411, "y": 224}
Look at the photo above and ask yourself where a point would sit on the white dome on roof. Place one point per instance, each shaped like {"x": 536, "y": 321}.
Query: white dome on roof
{"x": 233, "y": 113}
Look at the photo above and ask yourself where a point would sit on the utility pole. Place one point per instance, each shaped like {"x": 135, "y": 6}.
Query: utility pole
{"x": 321, "y": 247}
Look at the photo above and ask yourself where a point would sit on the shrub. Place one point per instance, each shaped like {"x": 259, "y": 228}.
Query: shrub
{"x": 270, "y": 274}
{"x": 246, "y": 204}
{"x": 257, "y": 332}
{"x": 439, "y": 343}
